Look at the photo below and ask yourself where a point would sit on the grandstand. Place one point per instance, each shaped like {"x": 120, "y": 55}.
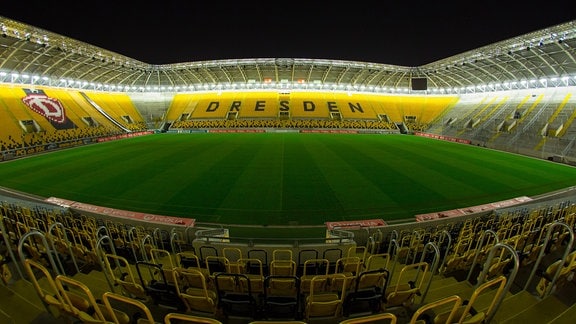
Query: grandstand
{"x": 506, "y": 262}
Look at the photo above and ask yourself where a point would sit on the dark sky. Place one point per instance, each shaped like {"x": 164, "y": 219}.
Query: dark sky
{"x": 407, "y": 33}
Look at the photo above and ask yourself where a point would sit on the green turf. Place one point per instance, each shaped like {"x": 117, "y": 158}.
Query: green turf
{"x": 284, "y": 178}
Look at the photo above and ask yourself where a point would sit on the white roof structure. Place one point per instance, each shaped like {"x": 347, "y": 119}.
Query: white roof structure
{"x": 30, "y": 55}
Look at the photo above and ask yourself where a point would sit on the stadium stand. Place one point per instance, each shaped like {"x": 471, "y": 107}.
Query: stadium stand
{"x": 511, "y": 264}
{"x": 499, "y": 270}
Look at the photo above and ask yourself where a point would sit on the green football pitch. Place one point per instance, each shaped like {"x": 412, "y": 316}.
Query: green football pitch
{"x": 284, "y": 178}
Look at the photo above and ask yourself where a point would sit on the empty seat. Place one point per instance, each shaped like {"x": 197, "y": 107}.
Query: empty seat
{"x": 142, "y": 314}
{"x": 377, "y": 318}
{"x": 367, "y": 294}
{"x": 91, "y": 311}
{"x": 326, "y": 297}
{"x": 161, "y": 292}
{"x": 120, "y": 270}
{"x": 48, "y": 292}
{"x": 178, "y": 318}
{"x": 281, "y": 298}
{"x": 422, "y": 314}
{"x": 192, "y": 289}
{"x": 234, "y": 298}
{"x": 312, "y": 268}
{"x": 404, "y": 290}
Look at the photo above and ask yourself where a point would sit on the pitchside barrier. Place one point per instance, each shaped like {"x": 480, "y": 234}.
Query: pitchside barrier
{"x": 473, "y": 209}
{"x": 216, "y": 239}
{"x": 366, "y": 232}
{"x": 127, "y": 217}
{"x": 342, "y": 237}
{"x": 370, "y": 234}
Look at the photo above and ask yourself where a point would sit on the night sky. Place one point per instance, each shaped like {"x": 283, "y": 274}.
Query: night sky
{"x": 407, "y": 33}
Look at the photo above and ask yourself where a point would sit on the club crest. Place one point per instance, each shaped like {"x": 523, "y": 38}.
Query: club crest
{"x": 50, "y": 108}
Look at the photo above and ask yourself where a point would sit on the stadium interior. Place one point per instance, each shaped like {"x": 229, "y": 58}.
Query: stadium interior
{"x": 503, "y": 264}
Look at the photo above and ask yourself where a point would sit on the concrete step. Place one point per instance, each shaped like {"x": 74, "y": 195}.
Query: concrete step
{"x": 461, "y": 288}
{"x": 465, "y": 291}
{"x": 513, "y": 305}
{"x": 542, "y": 311}
{"x": 440, "y": 281}
{"x": 566, "y": 317}
{"x": 96, "y": 281}
{"x": 20, "y": 303}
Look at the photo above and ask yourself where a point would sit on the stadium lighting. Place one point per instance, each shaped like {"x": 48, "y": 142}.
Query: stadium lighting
{"x": 553, "y": 81}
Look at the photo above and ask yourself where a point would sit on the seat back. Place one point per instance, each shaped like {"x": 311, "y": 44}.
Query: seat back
{"x": 377, "y": 261}
{"x": 119, "y": 269}
{"x": 377, "y": 318}
{"x": 332, "y": 255}
{"x": 420, "y": 313}
{"x": 326, "y": 297}
{"x": 409, "y": 284}
{"x": 351, "y": 265}
{"x": 188, "y": 259}
{"x": 163, "y": 258}
{"x": 216, "y": 264}
{"x": 235, "y": 298}
{"x": 49, "y": 293}
{"x": 466, "y": 313}
{"x": 155, "y": 284}
{"x": 312, "y": 268}
{"x": 261, "y": 255}
{"x": 111, "y": 299}
{"x": 173, "y": 318}
{"x": 281, "y": 298}
{"x": 254, "y": 270}
{"x": 303, "y": 256}
{"x": 283, "y": 268}
{"x": 192, "y": 289}
{"x": 232, "y": 254}
{"x": 83, "y": 304}
{"x": 367, "y": 294}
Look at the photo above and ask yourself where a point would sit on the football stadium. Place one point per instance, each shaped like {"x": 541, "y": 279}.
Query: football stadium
{"x": 287, "y": 190}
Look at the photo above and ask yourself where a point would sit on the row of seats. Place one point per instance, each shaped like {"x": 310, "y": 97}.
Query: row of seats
{"x": 519, "y": 230}
{"x": 70, "y": 299}
{"x": 82, "y": 117}
{"x": 220, "y": 295}
{"x": 288, "y": 123}
{"x": 197, "y": 290}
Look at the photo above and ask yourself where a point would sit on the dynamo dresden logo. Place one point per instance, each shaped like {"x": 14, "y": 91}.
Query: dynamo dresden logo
{"x": 50, "y": 108}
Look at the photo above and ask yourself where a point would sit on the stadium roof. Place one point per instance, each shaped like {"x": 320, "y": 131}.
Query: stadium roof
{"x": 30, "y": 55}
